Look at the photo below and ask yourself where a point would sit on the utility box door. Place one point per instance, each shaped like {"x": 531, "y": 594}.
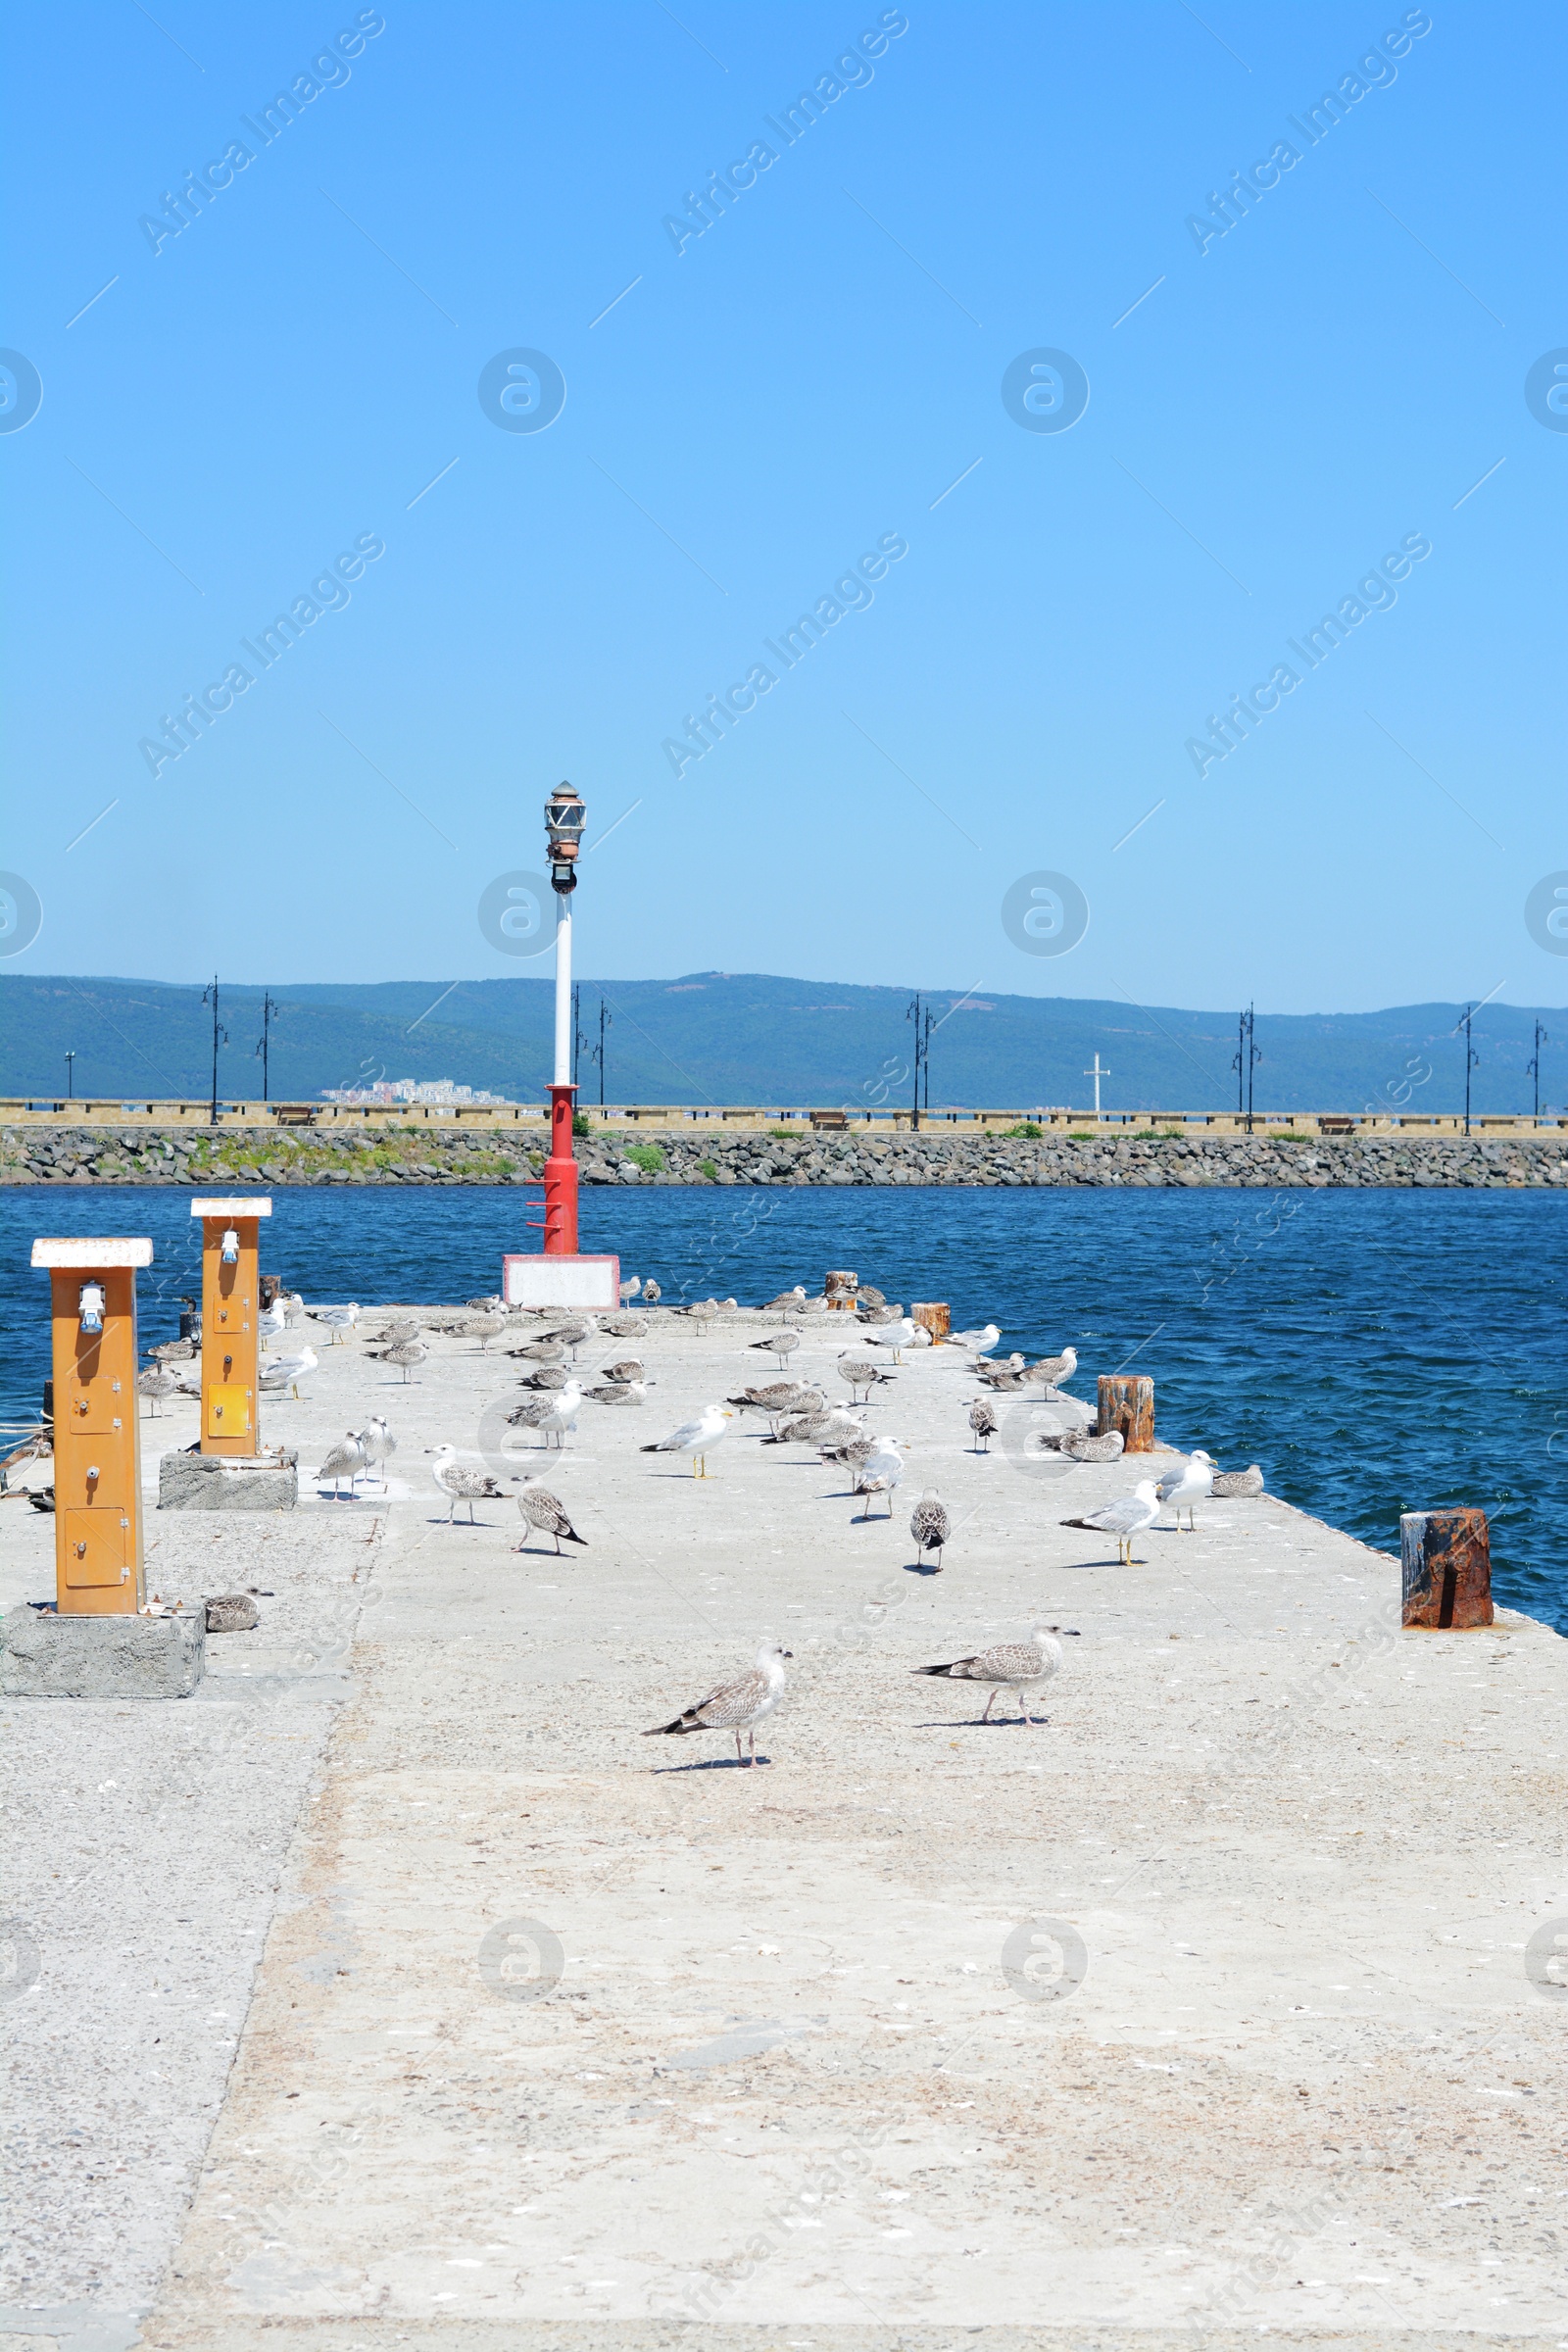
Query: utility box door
{"x": 98, "y": 1546}
{"x": 95, "y": 1406}
{"x": 229, "y": 1411}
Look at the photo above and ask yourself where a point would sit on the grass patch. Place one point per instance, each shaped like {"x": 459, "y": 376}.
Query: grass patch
{"x": 1025, "y": 1133}
{"x": 647, "y": 1157}
{"x": 783, "y": 1135}
{"x": 1083, "y": 1138}
{"x": 579, "y": 1123}
{"x": 707, "y": 1168}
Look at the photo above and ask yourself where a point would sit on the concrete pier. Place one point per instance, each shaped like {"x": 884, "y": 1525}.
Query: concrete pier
{"x": 1232, "y": 2000}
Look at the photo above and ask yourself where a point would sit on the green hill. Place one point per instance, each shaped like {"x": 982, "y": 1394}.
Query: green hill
{"x": 749, "y": 1037}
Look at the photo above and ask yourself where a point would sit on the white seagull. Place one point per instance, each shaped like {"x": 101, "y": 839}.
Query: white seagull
{"x": 288, "y": 1371}
{"x": 376, "y": 1442}
{"x": 696, "y": 1437}
{"x": 272, "y": 1321}
{"x": 737, "y": 1706}
{"x": 338, "y": 1319}
{"x": 1124, "y": 1519}
{"x": 980, "y": 1343}
{"x": 880, "y": 1473}
{"x": 1192, "y": 1482}
{"x": 902, "y": 1332}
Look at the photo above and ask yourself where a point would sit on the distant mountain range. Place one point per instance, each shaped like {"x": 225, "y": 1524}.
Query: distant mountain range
{"x": 749, "y": 1037}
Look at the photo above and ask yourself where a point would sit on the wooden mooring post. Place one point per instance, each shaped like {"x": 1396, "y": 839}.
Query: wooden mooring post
{"x": 1447, "y": 1559}
{"x": 1127, "y": 1403}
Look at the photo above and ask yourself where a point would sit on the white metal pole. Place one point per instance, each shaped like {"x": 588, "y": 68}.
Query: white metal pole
{"x": 563, "y": 988}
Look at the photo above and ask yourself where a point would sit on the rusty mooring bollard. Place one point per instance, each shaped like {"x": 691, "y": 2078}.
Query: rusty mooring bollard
{"x": 934, "y": 1314}
{"x": 1446, "y": 1559}
{"x": 839, "y": 1289}
{"x": 1127, "y": 1403}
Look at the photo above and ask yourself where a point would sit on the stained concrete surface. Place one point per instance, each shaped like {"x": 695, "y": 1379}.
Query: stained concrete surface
{"x": 1203, "y": 2010}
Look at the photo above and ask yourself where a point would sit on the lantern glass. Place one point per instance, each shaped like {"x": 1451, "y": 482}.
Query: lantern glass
{"x": 564, "y": 817}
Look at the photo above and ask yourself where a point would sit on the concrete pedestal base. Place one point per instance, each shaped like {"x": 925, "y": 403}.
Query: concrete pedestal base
{"x": 45, "y": 1656}
{"x": 214, "y": 1482}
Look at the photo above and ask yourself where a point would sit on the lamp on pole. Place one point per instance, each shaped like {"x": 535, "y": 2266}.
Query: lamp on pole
{"x": 219, "y": 1038}
{"x": 264, "y": 1045}
{"x": 1247, "y": 1057}
{"x": 1472, "y": 1059}
{"x": 71, "y": 1077}
{"x": 565, "y": 819}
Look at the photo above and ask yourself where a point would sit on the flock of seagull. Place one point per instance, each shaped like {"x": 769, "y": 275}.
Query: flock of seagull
{"x": 795, "y": 1411}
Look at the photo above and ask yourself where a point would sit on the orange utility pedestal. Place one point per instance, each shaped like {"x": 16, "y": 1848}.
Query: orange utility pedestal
{"x": 97, "y": 1438}
{"x": 230, "y": 1302}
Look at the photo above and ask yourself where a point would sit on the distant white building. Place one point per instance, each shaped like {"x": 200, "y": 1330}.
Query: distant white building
{"x": 410, "y": 1090}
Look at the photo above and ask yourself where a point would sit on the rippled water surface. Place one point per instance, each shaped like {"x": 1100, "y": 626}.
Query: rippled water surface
{"x": 1376, "y": 1351}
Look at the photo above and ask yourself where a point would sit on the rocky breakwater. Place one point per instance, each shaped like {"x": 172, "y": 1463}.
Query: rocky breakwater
{"x": 272, "y": 1157}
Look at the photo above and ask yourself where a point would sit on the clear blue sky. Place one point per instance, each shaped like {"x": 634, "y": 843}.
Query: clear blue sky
{"x": 1289, "y": 405}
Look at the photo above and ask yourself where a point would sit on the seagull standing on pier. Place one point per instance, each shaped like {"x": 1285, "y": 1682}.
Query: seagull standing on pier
{"x": 1019, "y": 1666}
{"x": 288, "y": 1371}
{"x": 375, "y": 1442}
{"x": 1128, "y": 1517}
{"x": 738, "y": 1707}
{"x": 930, "y": 1526}
{"x": 553, "y": 1412}
{"x": 338, "y": 1319}
{"x": 547, "y": 1512}
{"x": 983, "y": 1421}
{"x": 405, "y": 1353}
{"x": 460, "y": 1483}
{"x": 696, "y": 1437}
{"x": 346, "y": 1460}
{"x": 880, "y": 1473}
{"x": 1191, "y": 1484}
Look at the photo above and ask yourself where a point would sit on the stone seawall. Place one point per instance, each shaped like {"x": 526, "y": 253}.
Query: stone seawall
{"x": 266, "y": 1156}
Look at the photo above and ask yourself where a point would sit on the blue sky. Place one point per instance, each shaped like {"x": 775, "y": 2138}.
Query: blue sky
{"x": 1273, "y": 412}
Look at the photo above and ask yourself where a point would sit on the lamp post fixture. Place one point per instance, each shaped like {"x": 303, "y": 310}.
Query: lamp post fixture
{"x": 565, "y": 819}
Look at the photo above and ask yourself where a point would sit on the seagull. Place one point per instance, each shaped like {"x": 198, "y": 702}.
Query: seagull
{"x": 869, "y": 1295}
{"x": 548, "y": 1376}
{"x": 272, "y": 1321}
{"x": 157, "y": 1381}
{"x": 852, "y": 1451}
{"x": 696, "y": 1438}
{"x": 338, "y": 1319}
{"x": 983, "y": 1421}
{"x": 930, "y": 1526}
{"x": 572, "y": 1335}
{"x": 176, "y": 1351}
{"x": 737, "y": 1706}
{"x": 407, "y": 1352}
{"x": 995, "y": 1374}
{"x": 288, "y": 1371}
{"x": 652, "y": 1294}
{"x": 629, "y": 1289}
{"x": 623, "y": 1327}
{"x": 1124, "y": 1519}
{"x": 346, "y": 1460}
{"x": 547, "y": 1512}
{"x": 1239, "y": 1481}
{"x": 619, "y": 1391}
{"x": 1087, "y": 1446}
{"x": 396, "y": 1333}
{"x": 781, "y": 1344}
{"x": 627, "y": 1367}
{"x": 780, "y": 1396}
{"x": 897, "y": 1335}
{"x": 1191, "y": 1484}
{"x": 1055, "y": 1369}
{"x": 460, "y": 1483}
{"x": 880, "y": 1473}
{"x": 821, "y": 1426}
{"x": 858, "y": 1373}
{"x": 787, "y": 1300}
{"x": 553, "y": 1414}
{"x": 539, "y": 1352}
{"x": 979, "y": 1342}
{"x": 483, "y": 1328}
{"x": 377, "y": 1442}
{"x": 492, "y": 1305}
{"x": 1018, "y": 1666}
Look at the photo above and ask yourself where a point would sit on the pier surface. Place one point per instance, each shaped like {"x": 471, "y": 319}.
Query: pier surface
{"x": 1225, "y": 2003}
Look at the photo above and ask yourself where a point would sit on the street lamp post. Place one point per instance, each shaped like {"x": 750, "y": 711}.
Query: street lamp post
{"x": 564, "y": 819}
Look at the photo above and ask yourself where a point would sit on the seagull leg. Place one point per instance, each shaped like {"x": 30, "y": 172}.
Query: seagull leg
{"x": 989, "y": 1704}
{"x": 739, "y": 1754}
{"x": 753, "y": 1735}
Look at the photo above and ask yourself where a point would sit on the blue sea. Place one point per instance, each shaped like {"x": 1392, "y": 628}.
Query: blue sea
{"x": 1376, "y": 1351}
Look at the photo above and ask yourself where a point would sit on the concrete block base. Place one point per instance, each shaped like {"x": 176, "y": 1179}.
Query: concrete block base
{"x": 45, "y": 1656}
{"x": 214, "y": 1482}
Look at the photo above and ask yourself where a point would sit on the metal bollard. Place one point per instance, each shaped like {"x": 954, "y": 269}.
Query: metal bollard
{"x": 1447, "y": 1559}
